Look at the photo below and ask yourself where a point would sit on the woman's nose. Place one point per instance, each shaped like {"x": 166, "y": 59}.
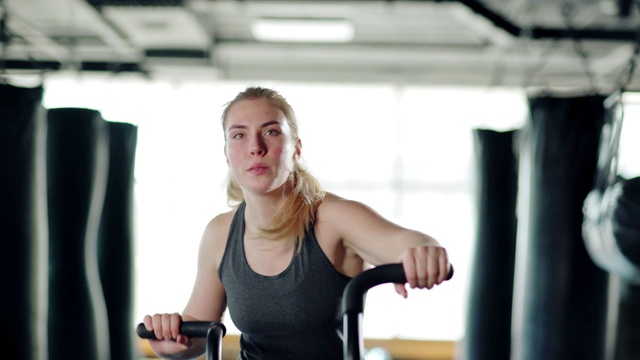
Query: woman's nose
{"x": 257, "y": 146}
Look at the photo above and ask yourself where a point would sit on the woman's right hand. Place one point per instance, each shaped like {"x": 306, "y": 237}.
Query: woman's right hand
{"x": 169, "y": 340}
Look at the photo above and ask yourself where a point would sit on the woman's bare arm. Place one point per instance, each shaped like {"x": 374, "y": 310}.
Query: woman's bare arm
{"x": 379, "y": 241}
{"x": 206, "y": 303}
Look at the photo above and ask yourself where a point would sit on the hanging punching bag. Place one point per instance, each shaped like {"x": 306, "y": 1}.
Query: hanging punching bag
{"x": 611, "y": 229}
{"x": 625, "y": 223}
{"x": 560, "y": 295}
{"x": 488, "y": 319}
{"x": 612, "y": 236}
{"x": 612, "y": 208}
{"x": 77, "y": 165}
{"x": 23, "y": 227}
{"x": 115, "y": 241}
{"x": 626, "y": 344}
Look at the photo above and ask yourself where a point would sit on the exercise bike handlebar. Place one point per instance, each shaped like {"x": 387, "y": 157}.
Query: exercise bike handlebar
{"x": 352, "y": 309}
{"x": 192, "y": 329}
{"x": 353, "y": 303}
{"x": 212, "y": 331}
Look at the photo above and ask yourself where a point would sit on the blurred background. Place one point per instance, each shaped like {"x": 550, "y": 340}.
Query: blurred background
{"x": 391, "y": 97}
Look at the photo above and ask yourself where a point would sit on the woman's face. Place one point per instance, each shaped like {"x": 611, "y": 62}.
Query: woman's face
{"x": 259, "y": 146}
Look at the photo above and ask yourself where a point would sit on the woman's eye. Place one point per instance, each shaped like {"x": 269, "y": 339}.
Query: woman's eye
{"x": 237, "y": 136}
{"x": 272, "y": 132}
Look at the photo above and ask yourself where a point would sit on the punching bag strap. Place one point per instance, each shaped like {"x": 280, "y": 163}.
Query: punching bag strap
{"x": 610, "y": 142}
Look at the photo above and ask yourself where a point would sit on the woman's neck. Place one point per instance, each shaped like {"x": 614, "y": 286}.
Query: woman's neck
{"x": 260, "y": 211}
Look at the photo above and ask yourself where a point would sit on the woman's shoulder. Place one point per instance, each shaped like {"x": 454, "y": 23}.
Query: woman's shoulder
{"x": 332, "y": 200}
{"x": 217, "y": 230}
{"x": 334, "y": 209}
{"x": 347, "y": 218}
{"x": 336, "y": 206}
{"x": 223, "y": 219}
{"x": 332, "y": 225}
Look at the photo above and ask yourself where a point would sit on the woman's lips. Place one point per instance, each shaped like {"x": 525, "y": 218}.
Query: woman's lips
{"x": 258, "y": 169}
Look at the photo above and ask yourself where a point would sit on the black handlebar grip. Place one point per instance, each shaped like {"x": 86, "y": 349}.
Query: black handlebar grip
{"x": 353, "y": 303}
{"x": 450, "y": 274}
{"x": 192, "y": 329}
{"x": 143, "y": 333}
{"x": 353, "y": 300}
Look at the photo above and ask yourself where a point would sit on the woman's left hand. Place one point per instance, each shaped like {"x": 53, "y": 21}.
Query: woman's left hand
{"x": 424, "y": 266}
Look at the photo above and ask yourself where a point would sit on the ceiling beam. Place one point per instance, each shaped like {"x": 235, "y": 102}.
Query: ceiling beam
{"x": 541, "y": 33}
{"x": 50, "y": 65}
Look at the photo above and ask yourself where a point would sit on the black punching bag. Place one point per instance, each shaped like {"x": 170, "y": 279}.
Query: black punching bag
{"x": 23, "y": 228}
{"x": 115, "y": 241}
{"x": 560, "y": 295}
{"x": 612, "y": 234}
{"x": 611, "y": 230}
{"x": 627, "y": 329}
{"x": 77, "y": 165}
{"x": 626, "y": 227}
{"x": 625, "y": 221}
{"x": 488, "y": 319}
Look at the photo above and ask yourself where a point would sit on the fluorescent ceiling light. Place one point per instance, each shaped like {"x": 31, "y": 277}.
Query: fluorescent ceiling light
{"x": 302, "y": 30}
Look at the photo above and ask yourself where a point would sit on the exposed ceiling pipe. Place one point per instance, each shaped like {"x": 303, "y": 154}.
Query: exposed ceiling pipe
{"x": 107, "y": 30}
{"x": 36, "y": 38}
{"x": 541, "y": 32}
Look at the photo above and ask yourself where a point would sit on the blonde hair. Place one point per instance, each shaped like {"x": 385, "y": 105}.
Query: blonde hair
{"x": 302, "y": 191}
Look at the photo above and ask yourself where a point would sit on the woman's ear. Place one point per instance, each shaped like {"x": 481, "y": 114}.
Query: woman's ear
{"x": 298, "y": 151}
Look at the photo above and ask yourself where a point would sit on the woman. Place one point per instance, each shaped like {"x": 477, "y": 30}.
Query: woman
{"x": 280, "y": 259}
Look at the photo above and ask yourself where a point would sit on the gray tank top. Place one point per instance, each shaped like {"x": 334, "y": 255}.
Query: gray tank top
{"x": 293, "y": 315}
